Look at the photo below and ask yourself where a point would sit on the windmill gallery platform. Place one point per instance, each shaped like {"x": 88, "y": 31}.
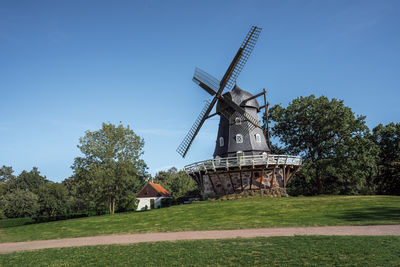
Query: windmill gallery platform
{"x": 243, "y": 159}
{"x": 223, "y": 176}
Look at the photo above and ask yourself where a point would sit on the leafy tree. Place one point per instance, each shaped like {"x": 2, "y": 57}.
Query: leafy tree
{"x": 31, "y": 181}
{"x": 338, "y": 155}
{"x": 388, "y": 139}
{"x": 6, "y": 174}
{"x": 20, "y": 203}
{"x": 3, "y": 188}
{"x": 52, "y": 199}
{"x": 178, "y": 183}
{"x": 111, "y": 170}
{"x": 78, "y": 195}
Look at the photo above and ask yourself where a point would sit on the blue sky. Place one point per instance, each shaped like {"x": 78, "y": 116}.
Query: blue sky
{"x": 68, "y": 66}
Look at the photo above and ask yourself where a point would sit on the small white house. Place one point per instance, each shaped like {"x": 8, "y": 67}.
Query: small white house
{"x": 151, "y": 195}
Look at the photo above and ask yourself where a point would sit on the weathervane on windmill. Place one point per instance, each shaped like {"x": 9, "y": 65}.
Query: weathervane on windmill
{"x": 242, "y": 156}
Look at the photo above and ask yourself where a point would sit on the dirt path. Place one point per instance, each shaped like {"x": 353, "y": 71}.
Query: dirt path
{"x": 192, "y": 235}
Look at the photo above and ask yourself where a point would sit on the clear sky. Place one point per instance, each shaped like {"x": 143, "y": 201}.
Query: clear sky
{"x": 68, "y": 66}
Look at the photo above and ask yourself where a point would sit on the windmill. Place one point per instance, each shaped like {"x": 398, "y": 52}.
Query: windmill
{"x": 242, "y": 156}
{"x": 215, "y": 88}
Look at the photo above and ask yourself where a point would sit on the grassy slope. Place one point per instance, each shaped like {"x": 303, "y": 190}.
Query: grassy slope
{"x": 230, "y": 214}
{"x": 276, "y": 251}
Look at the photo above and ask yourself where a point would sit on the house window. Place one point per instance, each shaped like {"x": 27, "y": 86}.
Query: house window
{"x": 221, "y": 141}
{"x": 258, "y": 138}
{"x": 239, "y": 138}
{"x": 238, "y": 121}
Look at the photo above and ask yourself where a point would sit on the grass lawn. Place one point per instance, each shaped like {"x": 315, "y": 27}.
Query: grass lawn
{"x": 5, "y": 223}
{"x": 229, "y": 214}
{"x": 273, "y": 251}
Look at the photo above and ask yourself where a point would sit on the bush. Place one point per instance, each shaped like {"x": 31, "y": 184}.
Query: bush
{"x": 167, "y": 202}
{"x": 20, "y": 203}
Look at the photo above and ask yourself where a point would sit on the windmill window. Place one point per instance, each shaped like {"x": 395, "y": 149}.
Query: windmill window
{"x": 221, "y": 141}
{"x": 258, "y": 138}
{"x": 239, "y": 138}
{"x": 238, "y": 121}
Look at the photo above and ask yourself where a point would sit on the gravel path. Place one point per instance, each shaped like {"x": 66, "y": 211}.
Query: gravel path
{"x": 192, "y": 235}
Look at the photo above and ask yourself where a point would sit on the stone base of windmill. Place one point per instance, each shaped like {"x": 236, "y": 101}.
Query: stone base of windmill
{"x": 269, "y": 192}
{"x": 244, "y": 176}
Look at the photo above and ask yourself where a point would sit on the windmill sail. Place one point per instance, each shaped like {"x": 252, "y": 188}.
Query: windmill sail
{"x": 188, "y": 140}
{"x": 246, "y": 48}
{"x": 203, "y": 78}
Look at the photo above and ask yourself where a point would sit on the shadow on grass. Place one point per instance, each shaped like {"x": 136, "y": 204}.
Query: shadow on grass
{"x": 371, "y": 214}
{"x": 7, "y": 223}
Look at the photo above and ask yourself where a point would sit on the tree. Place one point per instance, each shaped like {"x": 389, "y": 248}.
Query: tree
{"x": 111, "y": 169}
{"x": 52, "y": 199}
{"x": 338, "y": 155}
{"x": 388, "y": 139}
{"x": 20, "y": 203}
{"x": 178, "y": 183}
{"x": 31, "y": 181}
{"x": 78, "y": 195}
{"x": 6, "y": 174}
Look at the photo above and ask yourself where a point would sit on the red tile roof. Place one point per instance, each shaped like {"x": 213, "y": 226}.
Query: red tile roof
{"x": 160, "y": 189}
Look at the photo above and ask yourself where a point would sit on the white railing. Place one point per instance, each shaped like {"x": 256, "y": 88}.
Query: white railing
{"x": 243, "y": 161}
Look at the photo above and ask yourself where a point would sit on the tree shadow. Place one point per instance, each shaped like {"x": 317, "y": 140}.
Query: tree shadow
{"x": 14, "y": 222}
{"x": 371, "y": 214}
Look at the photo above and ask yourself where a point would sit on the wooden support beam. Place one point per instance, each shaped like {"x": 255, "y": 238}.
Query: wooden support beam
{"x": 287, "y": 175}
{"x": 230, "y": 179}
{"x": 273, "y": 180}
{"x": 251, "y": 178}
{"x": 293, "y": 172}
{"x": 284, "y": 176}
{"x": 212, "y": 115}
{"x": 266, "y": 126}
{"x": 195, "y": 177}
{"x": 254, "y": 96}
{"x": 201, "y": 183}
{"x": 241, "y": 180}
{"x": 212, "y": 185}
{"x": 222, "y": 185}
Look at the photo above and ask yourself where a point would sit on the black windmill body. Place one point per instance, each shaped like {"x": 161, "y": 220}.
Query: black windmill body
{"x": 235, "y": 135}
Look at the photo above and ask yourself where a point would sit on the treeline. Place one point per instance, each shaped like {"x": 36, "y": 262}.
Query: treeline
{"x": 341, "y": 154}
{"x": 30, "y": 194}
{"x": 106, "y": 179}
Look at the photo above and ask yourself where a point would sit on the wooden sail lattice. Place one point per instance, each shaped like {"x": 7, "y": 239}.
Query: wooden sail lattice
{"x": 187, "y": 141}
{"x": 247, "y": 47}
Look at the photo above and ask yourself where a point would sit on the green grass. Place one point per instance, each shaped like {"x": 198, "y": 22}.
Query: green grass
{"x": 5, "y": 223}
{"x": 273, "y": 251}
{"x": 229, "y": 214}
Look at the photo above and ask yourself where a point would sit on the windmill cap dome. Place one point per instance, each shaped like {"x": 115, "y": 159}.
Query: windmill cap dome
{"x": 238, "y": 96}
